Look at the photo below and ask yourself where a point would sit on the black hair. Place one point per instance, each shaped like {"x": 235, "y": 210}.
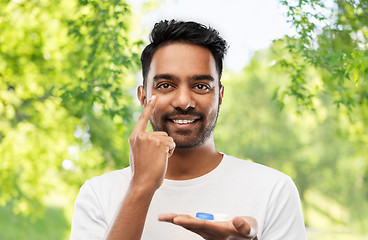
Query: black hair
{"x": 166, "y": 32}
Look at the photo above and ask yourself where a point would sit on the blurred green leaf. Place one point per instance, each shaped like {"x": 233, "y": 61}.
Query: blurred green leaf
{"x": 66, "y": 72}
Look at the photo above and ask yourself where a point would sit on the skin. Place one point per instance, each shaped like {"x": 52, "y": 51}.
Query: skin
{"x": 184, "y": 99}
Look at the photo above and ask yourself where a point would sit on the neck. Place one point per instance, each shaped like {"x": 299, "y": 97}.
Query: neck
{"x": 186, "y": 164}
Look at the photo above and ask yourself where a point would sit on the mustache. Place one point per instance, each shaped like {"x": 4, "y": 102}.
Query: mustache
{"x": 181, "y": 112}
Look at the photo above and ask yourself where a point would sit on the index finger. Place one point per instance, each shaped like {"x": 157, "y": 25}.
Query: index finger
{"x": 143, "y": 119}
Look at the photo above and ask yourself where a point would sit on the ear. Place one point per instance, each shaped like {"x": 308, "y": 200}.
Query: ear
{"x": 141, "y": 94}
{"x": 221, "y": 94}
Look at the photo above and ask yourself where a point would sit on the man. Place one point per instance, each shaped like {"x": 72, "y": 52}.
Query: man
{"x": 175, "y": 171}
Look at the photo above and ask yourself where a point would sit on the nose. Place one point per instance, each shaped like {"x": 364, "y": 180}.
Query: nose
{"x": 183, "y": 99}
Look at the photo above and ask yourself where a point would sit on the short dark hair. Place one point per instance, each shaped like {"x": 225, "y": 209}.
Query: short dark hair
{"x": 166, "y": 32}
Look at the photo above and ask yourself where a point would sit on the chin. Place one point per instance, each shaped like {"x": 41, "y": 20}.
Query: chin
{"x": 187, "y": 146}
{"x": 190, "y": 142}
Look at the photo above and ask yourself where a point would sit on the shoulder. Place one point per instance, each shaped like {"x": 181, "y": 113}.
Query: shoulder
{"x": 96, "y": 204}
{"x": 252, "y": 169}
{"x": 105, "y": 186}
{"x": 249, "y": 175}
{"x": 102, "y": 194}
{"x": 109, "y": 181}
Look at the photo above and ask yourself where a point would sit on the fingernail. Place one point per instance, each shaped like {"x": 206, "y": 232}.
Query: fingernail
{"x": 252, "y": 232}
{"x": 152, "y": 98}
{"x": 238, "y": 222}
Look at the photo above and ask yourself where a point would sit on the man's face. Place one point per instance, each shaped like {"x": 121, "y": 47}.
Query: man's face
{"x": 185, "y": 81}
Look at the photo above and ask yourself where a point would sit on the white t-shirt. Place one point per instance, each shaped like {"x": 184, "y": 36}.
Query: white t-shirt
{"x": 235, "y": 188}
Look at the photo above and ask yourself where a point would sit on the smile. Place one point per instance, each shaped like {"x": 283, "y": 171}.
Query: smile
{"x": 182, "y": 121}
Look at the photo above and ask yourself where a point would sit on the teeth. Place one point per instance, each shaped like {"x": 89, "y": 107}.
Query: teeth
{"x": 180, "y": 121}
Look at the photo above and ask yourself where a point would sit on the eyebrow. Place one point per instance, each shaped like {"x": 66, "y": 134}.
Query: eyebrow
{"x": 203, "y": 77}
{"x": 163, "y": 76}
{"x": 171, "y": 77}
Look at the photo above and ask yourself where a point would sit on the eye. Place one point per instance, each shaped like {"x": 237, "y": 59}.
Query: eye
{"x": 201, "y": 88}
{"x": 164, "y": 87}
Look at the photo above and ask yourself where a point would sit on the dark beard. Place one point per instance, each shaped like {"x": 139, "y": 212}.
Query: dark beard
{"x": 203, "y": 134}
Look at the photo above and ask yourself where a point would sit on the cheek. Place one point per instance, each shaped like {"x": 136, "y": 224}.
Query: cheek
{"x": 212, "y": 104}
{"x": 160, "y": 107}
{"x": 213, "y": 111}
{"x": 213, "y": 108}
{"x": 162, "y": 102}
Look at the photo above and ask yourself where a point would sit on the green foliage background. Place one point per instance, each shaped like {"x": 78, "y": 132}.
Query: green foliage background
{"x": 66, "y": 72}
{"x": 67, "y": 83}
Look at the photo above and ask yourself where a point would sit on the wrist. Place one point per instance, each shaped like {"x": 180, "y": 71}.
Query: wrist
{"x": 145, "y": 183}
{"x": 139, "y": 188}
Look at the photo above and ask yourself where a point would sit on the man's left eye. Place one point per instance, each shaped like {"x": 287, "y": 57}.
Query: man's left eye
{"x": 201, "y": 87}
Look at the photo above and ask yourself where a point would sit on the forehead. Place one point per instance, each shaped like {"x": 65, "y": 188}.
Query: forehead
{"x": 183, "y": 61}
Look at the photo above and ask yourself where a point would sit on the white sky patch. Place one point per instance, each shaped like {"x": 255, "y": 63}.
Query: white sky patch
{"x": 68, "y": 164}
{"x": 247, "y": 25}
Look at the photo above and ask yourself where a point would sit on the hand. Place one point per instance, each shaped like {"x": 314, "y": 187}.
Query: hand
{"x": 149, "y": 152}
{"x": 236, "y": 229}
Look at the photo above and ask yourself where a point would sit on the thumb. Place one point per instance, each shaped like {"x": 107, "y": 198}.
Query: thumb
{"x": 246, "y": 226}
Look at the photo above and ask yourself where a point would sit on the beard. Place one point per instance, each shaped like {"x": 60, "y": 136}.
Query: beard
{"x": 188, "y": 139}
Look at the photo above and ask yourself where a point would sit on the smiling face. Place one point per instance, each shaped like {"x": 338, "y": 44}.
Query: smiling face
{"x": 185, "y": 81}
